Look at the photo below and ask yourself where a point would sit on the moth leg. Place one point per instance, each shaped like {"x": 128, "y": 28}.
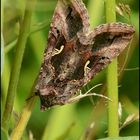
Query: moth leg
{"x": 86, "y": 68}
{"x": 56, "y": 51}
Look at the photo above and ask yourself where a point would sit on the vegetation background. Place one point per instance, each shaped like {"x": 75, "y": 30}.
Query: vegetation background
{"x": 87, "y": 118}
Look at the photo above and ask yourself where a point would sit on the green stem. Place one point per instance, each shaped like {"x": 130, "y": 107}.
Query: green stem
{"x": 5, "y": 81}
{"x": 112, "y": 81}
{"x": 95, "y": 10}
{"x": 20, "y": 47}
{"x": 26, "y": 113}
{"x": 12, "y": 44}
{"x": 23, "y": 120}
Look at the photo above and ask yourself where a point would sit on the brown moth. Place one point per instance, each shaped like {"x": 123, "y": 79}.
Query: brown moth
{"x": 75, "y": 54}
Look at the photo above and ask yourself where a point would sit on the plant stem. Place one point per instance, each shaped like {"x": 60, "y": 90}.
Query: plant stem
{"x": 112, "y": 81}
{"x": 95, "y": 10}
{"x": 12, "y": 44}
{"x": 26, "y": 113}
{"x": 14, "y": 77}
{"x": 5, "y": 81}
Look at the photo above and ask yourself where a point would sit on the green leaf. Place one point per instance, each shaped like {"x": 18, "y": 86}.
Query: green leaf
{"x": 4, "y": 135}
{"x": 122, "y": 138}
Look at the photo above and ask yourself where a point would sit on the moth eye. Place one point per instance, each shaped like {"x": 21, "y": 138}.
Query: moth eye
{"x": 37, "y": 93}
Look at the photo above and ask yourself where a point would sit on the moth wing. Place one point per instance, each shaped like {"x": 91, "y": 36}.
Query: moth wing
{"x": 68, "y": 19}
{"x": 107, "y": 42}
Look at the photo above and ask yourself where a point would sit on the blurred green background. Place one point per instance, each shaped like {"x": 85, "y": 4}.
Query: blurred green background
{"x": 87, "y": 117}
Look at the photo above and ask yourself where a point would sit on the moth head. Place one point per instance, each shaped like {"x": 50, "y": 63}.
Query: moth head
{"x": 47, "y": 97}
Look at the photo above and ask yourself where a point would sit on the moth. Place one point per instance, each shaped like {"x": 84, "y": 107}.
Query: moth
{"x": 75, "y": 53}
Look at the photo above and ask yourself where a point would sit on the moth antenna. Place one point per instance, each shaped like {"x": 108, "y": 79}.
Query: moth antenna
{"x": 30, "y": 97}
